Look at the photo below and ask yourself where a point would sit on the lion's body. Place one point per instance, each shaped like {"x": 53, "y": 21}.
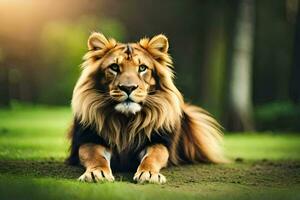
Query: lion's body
{"x": 155, "y": 114}
{"x": 192, "y": 141}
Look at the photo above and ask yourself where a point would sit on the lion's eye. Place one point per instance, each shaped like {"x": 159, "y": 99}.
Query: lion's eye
{"x": 115, "y": 67}
{"x": 142, "y": 68}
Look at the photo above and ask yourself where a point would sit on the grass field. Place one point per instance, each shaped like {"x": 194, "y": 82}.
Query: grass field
{"x": 33, "y": 146}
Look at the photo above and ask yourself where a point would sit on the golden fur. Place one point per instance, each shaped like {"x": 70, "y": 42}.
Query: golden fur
{"x": 95, "y": 158}
{"x": 162, "y": 105}
{"x": 156, "y": 158}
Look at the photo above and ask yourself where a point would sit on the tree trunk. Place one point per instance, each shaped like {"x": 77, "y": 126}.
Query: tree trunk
{"x": 4, "y": 86}
{"x": 240, "y": 100}
{"x": 212, "y": 80}
{"x": 295, "y": 86}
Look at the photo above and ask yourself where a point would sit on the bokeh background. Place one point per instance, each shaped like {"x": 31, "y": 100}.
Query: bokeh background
{"x": 238, "y": 59}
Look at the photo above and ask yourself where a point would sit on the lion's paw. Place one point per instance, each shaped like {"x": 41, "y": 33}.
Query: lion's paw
{"x": 150, "y": 177}
{"x": 96, "y": 175}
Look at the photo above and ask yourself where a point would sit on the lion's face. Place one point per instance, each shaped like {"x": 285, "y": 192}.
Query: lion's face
{"x": 127, "y": 73}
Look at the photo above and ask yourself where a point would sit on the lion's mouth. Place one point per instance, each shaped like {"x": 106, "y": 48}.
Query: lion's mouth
{"x": 128, "y": 107}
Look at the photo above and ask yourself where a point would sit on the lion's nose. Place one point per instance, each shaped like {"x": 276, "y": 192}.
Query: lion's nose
{"x": 127, "y": 88}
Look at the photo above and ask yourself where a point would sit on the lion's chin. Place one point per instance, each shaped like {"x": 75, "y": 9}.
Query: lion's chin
{"x": 128, "y": 107}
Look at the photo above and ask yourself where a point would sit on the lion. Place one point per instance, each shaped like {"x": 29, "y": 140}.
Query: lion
{"x": 129, "y": 115}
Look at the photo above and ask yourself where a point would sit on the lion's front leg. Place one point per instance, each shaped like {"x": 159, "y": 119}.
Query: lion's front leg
{"x": 156, "y": 157}
{"x": 96, "y": 159}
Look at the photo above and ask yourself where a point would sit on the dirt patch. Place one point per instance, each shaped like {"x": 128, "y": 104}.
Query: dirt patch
{"x": 259, "y": 173}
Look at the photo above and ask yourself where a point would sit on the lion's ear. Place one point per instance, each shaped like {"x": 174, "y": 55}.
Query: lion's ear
{"x": 97, "y": 41}
{"x": 158, "y": 43}
{"x": 158, "y": 47}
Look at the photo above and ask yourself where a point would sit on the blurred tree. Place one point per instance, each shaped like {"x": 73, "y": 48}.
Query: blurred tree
{"x": 241, "y": 106}
{"x": 4, "y": 82}
{"x": 273, "y": 52}
{"x": 213, "y": 75}
{"x": 294, "y": 84}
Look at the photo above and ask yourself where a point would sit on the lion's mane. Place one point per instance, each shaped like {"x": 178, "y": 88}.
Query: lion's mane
{"x": 195, "y": 134}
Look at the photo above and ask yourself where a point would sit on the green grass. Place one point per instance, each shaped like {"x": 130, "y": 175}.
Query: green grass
{"x": 33, "y": 146}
